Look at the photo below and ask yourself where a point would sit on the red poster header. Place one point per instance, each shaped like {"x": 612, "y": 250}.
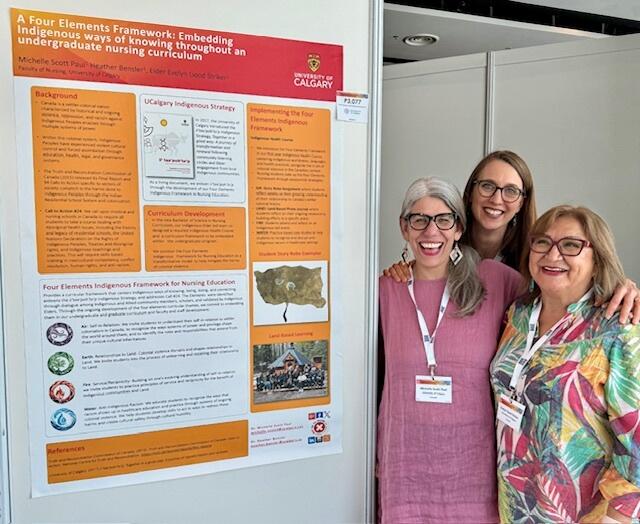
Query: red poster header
{"x": 52, "y": 45}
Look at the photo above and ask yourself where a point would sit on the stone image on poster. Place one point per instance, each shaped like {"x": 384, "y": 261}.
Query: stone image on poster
{"x": 290, "y": 292}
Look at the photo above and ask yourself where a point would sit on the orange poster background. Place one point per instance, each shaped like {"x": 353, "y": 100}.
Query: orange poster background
{"x": 85, "y": 180}
{"x": 110, "y": 456}
{"x": 289, "y": 161}
{"x": 191, "y": 238}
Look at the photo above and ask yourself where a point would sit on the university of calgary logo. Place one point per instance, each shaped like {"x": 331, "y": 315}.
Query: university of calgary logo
{"x": 313, "y": 61}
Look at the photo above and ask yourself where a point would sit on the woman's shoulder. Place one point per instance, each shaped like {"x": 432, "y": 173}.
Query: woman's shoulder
{"x": 388, "y": 285}
{"x": 489, "y": 266}
{"x": 497, "y": 276}
{"x": 610, "y": 328}
{"x": 384, "y": 281}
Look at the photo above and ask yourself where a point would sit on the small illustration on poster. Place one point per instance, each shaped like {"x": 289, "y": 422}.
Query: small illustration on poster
{"x": 63, "y": 419}
{"x": 290, "y": 371}
{"x": 168, "y": 145}
{"x": 60, "y": 363}
{"x": 59, "y": 334}
{"x": 278, "y": 284}
{"x": 62, "y": 391}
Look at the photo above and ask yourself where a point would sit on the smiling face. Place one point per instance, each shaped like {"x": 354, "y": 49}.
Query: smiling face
{"x": 563, "y": 278}
{"x": 431, "y": 247}
{"x": 493, "y": 213}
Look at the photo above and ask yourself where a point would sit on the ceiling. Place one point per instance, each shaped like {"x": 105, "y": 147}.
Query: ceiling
{"x": 461, "y": 33}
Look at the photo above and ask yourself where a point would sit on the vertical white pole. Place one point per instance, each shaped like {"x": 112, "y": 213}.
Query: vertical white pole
{"x": 373, "y": 232}
{"x": 490, "y": 103}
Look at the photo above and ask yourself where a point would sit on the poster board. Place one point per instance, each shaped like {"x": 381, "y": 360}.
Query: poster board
{"x": 235, "y": 484}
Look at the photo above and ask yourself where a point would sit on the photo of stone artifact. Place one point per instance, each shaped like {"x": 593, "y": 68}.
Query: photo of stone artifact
{"x": 284, "y": 285}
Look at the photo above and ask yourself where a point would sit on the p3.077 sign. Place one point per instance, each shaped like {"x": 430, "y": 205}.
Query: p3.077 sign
{"x": 352, "y": 107}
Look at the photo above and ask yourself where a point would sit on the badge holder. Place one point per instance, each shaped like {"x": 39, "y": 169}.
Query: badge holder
{"x": 510, "y": 411}
{"x": 433, "y": 388}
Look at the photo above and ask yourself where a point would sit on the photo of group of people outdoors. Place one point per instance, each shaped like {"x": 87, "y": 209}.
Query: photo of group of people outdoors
{"x": 290, "y": 371}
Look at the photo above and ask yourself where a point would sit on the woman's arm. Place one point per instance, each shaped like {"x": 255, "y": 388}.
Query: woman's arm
{"x": 620, "y": 485}
{"x": 381, "y": 365}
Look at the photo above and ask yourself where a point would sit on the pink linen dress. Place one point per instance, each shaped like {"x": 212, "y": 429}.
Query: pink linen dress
{"x": 437, "y": 462}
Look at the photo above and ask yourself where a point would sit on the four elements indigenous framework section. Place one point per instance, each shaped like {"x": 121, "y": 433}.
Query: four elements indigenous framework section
{"x": 179, "y": 277}
{"x": 289, "y": 218}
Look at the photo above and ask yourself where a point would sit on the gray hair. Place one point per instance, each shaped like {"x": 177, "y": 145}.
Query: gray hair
{"x": 463, "y": 281}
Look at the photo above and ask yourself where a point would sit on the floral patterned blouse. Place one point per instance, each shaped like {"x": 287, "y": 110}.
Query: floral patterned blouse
{"x": 578, "y": 448}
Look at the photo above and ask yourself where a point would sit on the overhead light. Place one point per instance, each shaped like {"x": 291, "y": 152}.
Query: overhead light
{"x": 420, "y": 39}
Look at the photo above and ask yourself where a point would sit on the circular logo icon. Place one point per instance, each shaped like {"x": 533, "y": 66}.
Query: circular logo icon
{"x": 59, "y": 334}
{"x": 62, "y": 391}
{"x": 319, "y": 426}
{"x": 60, "y": 363}
{"x": 63, "y": 419}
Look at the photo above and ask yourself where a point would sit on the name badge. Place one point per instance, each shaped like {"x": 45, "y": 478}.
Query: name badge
{"x": 510, "y": 412}
{"x": 434, "y": 389}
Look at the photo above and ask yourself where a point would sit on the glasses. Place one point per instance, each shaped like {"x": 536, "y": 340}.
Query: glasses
{"x": 420, "y": 222}
{"x": 567, "y": 246}
{"x": 488, "y": 189}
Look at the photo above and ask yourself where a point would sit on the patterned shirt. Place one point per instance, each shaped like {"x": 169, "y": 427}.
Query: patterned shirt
{"x": 578, "y": 448}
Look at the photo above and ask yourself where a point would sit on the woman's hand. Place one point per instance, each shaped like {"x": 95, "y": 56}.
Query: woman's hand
{"x": 399, "y": 271}
{"x": 626, "y": 299}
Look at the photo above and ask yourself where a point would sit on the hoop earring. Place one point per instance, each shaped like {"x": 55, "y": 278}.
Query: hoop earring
{"x": 514, "y": 220}
{"x": 405, "y": 252}
{"x": 456, "y": 254}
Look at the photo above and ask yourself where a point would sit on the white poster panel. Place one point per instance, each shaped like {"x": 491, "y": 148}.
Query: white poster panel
{"x": 177, "y": 227}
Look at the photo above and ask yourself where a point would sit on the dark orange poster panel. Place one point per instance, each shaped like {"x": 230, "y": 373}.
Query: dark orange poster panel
{"x": 289, "y": 182}
{"x": 192, "y": 238}
{"x": 85, "y": 181}
{"x": 289, "y": 160}
{"x": 109, "y": 456}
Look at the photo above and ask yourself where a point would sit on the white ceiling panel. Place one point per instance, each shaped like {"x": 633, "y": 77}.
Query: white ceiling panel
{"x": 461, "y": 34}
{"x": 626, "y": 9}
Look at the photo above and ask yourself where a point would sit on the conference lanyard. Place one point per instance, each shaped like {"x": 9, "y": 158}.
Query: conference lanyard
{"x": 428, "y": 340}
{"x": 531, "y": 348}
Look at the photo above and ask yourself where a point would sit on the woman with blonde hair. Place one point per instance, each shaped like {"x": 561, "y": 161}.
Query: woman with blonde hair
{"x": 567, "y": 384}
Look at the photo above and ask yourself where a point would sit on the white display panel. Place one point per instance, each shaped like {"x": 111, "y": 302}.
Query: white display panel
{"x": 570, "y": 110}
{"x": 433, "y": 125}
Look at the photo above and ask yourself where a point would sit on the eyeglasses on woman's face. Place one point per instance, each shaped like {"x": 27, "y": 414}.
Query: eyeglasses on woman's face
{"x": 487, "y": 189}
{"x": 567, "y": 246}
{"x": 420, "y": 222}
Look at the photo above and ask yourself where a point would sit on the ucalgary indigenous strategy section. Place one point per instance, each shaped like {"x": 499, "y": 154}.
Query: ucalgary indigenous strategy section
{"x": 118, "y": 39}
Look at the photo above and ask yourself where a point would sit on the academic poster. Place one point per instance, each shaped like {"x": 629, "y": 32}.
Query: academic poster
{"x": 177, "y": 217}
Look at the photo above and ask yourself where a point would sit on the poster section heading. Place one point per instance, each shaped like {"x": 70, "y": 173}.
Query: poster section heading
{"x": 53, "y": 45}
